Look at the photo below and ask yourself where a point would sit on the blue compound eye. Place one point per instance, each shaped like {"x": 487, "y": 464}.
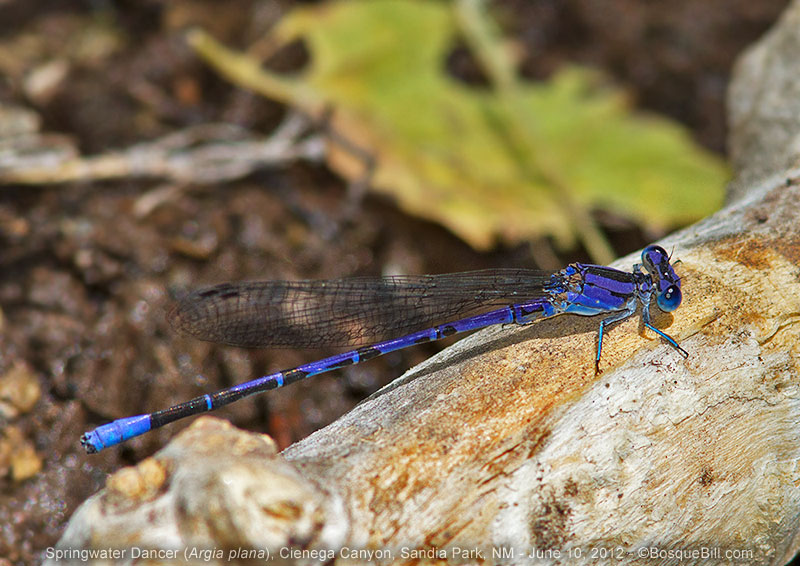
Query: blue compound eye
{"x": 652, "y": 256}
{"x": 670, "y": 299}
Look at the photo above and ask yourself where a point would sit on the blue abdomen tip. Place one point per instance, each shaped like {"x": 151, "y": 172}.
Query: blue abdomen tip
{"x": 115, "y": 432}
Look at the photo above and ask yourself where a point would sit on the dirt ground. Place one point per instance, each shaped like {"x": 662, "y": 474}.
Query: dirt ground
{"x": 87, "y": 271}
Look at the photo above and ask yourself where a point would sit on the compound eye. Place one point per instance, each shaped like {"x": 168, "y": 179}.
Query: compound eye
{"x": 670, "y": 299}
{"x": 653, "y": 256}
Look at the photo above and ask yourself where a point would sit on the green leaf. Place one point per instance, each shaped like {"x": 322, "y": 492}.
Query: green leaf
{"x": 449, "y": 153}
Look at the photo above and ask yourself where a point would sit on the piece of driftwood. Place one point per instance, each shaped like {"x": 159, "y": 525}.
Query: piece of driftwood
{"x": 763, "y": 105}
{"x": 506, "y": 448}
{"x": 507, "y": 445}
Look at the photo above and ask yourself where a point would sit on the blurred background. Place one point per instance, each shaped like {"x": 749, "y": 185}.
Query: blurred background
{"x": 148, "y": 148}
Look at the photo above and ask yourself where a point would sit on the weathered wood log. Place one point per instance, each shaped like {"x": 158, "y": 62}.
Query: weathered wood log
{"x": 508, "y": 443}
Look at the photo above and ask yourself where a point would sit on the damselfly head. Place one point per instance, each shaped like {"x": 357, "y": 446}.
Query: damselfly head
{"x": 656, "y": 261}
